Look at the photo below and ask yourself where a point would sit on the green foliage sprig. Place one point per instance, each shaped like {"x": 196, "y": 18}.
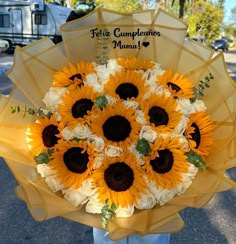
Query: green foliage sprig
{"x": 102, "y": 47}
{"x": 17, "y": 109}
{"x": 107, "y": 213}
{"x": 100, "y": 102}
{"x": 196, "y": 160}
{"x": 199, "y": 91}
{"x": 30, "y": 111}
{"x": 44, "y": 157}
{"x": 143, "y": 147}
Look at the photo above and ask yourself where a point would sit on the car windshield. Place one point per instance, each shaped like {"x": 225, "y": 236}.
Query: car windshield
{"x": 218, "y": 41}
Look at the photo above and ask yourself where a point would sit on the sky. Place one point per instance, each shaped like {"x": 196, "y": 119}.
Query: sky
{"x": 229, "y": 4}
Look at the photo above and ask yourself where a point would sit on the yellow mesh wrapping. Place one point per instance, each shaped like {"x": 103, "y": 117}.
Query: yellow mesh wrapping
{"x": 32, "y": 73}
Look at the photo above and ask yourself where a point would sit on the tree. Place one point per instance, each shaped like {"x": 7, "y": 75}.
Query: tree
{"x": 120, "y": 5}
{"x": 206, "y": 21}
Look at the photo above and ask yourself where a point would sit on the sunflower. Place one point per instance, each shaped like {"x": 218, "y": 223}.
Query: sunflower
{"x": 119, "y": 180}
{"x": 179, "y": 85}
{"x": 73, "y": 162}
{"x": 199, "y": 133}
{"x": 161, "y": 112}
{"x": 133, "y": 63}
{"x": 117, "y": 125}
{"x": 77, "y": 106}
{"x": 43, "y": 134}
{"x": 126, "y": 85}
{"x": 73, "y": 75}
{"x": 166, "y": 162}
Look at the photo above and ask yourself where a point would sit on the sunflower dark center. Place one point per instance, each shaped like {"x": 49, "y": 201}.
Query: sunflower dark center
{"x": 116, "y": 128}
{"x": 119, "y": 176}
{"x": 76, "y": 160}
{"x": 158, "y": 116}
{"x": 81, "y": 107}
{"x": 127, "y": 90}
{"x": 163, "y": 163}
{"x": 76, "y": 76}
{"x": 173, "y": 86}
{"x": 196, "y": 135}
{"x": 49, "y": 135}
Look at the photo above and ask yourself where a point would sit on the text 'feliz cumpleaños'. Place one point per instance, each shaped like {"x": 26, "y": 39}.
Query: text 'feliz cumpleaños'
{"x": 122, "y": 39}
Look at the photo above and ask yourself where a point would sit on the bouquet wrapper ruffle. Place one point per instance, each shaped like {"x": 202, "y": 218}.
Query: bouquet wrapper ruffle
{"x": 32, "y": 72}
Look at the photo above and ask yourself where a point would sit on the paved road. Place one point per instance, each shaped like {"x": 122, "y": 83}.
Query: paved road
{"x": 213, "y": 224}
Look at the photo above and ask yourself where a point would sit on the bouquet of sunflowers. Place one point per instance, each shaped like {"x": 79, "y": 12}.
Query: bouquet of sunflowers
{"x": 127, "y": 129}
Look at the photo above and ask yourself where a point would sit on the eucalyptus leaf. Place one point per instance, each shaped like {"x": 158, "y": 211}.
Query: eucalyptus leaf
{"x": 196, "y": 160}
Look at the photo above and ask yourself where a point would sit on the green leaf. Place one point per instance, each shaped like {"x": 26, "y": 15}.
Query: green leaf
{"x": 196, "y": 160}
{"x": 100, "y": 102}
{"x": 113, "y": 206}
{"x": 42, "y": 158}
{"x": 143, "y": 146}
{"x": 104, "y": 223}
{"x": 13, "y": 109}
{"x": 199, "y": 91}
{"x": 104, "y": 209}
{"x": 107, "y": 213}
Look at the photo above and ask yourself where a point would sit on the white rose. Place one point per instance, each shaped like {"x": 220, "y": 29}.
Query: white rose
{"x": 75, "y": 197}
{"x": 88, "y": 188}
{"x": 112, "y": 151}
{"x": 199, "y": 105}
{"x": 103, "y": 74}
{"x": 54, "y": 184}
{"x": 98, "y": 160}
{"x": 183, "y": 139}
{"x": 125, "y": 212}
{"x": 140, "y": 117}
{"x": 156, "y": 70}
{"x": 185, "y": 106}
{"x": 187, "y": 179}
{"x": 94, "y": 206}
{"x": 146, "y": 201}
{"x": 92, "y": 80}
{"x": 81, "y": 131}
{"x": 147, "y": 133}
{"x": 67, "y": 134}
{"x": 44, "y": 170}
{"x": 110, "y": 99}
{"x": 181, "y": 188}
{"x": 113, "y": 66}
{"x": 98, "y": 141}
{"x": 53, "y": 97}
{"x": 181, "y": 127}
{"x": 131, "y": 104}
{"x": 162, "y": 195}
{"x": 57, "y": 116}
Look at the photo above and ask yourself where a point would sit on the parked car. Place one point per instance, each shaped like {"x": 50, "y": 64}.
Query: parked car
{"x": 4, "y": 45}
{"x": 220, "y": 44}
{"x": 199, "y": 39}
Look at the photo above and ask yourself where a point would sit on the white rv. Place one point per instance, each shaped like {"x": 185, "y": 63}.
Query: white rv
{"x": 24, "y": 21}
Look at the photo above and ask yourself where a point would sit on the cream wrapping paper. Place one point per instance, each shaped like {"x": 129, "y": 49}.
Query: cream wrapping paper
{"x": 32, "y": 72}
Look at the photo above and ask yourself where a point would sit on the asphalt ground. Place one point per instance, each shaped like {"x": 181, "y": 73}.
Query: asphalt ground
{"x": 216, "y": 223}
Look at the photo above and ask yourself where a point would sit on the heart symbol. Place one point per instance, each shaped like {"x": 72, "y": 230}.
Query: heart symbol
{"x": 146, "y": 44}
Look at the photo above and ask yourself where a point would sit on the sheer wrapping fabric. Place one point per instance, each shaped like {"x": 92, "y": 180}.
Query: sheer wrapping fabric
{"x": 32, "y": 73}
